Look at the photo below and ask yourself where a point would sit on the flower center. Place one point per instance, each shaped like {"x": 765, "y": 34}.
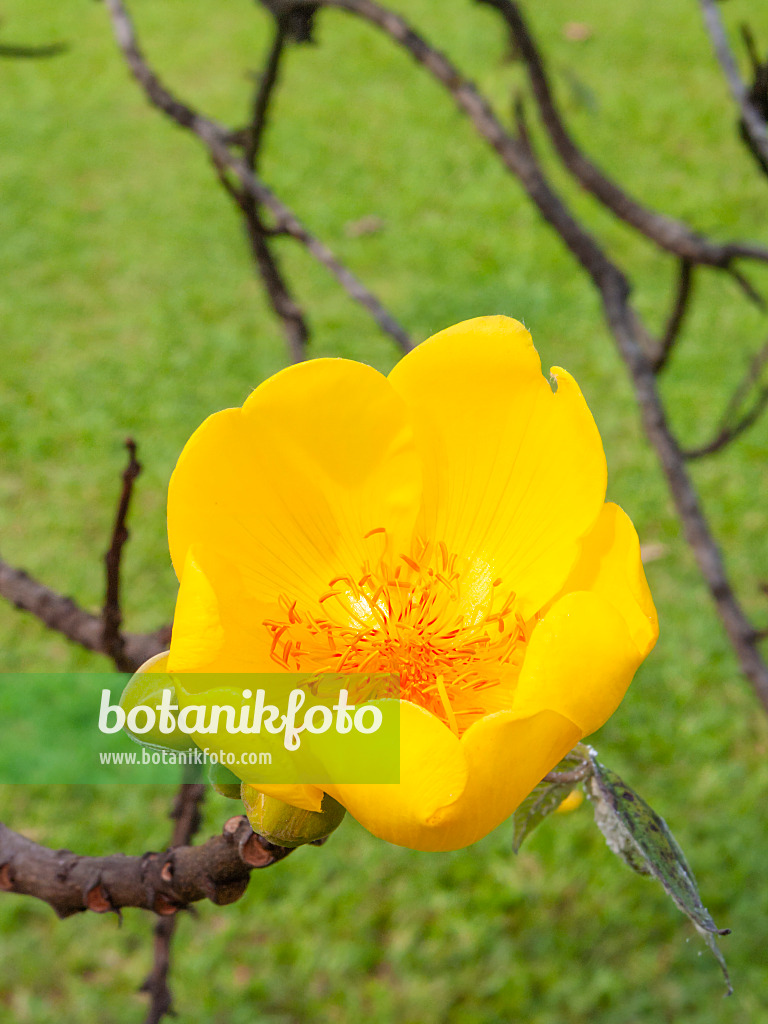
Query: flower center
{"x": 405, "y": 615}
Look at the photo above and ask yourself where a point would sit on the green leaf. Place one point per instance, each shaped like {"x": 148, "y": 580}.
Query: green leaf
{"x": 637, "y": 834}
{"x": 546, "y": 797}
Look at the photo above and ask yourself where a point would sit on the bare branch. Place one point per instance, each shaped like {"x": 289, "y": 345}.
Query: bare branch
{"x": 186, "y": 816}
{"x": 283, "y": 304}
{"x": 165, "y": 883}
{"x": 727, "y": 435}
{"x": 628, "y": 331}
{"x": 156, "y": 982}
{"x": 513, "y": 152}
{"x": 747, "y": 287}
{"x": 753, "y": 123}
{"x": 698, "y": 534}
{"x": 278, "y": 292}
{"x": 64, "y": 616}
{"x": 757, "y": 95}
{"x": 731, "y": 424}
{"x": 676, "y": 316}
{"x": 112, "y": 641}
{"x": 664, "y": 231}
{"x": 214, "y": 137}
{"x": 263, "y": 97}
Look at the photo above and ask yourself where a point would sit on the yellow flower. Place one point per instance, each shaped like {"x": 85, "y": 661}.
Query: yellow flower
{"x": 446, "y": 523}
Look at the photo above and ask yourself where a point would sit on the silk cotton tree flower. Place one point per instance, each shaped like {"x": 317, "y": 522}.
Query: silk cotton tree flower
{"x": 446, "y": 523}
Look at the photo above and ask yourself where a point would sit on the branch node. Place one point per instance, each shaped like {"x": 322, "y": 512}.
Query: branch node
{"x": 98, "y": 900}
{"x": 6, "y": 877}
{"x": 257, "y": 852}
{"x": 166, "y": 871}
{"x": 164, "y": 906}
{"x": 232, "y": 825}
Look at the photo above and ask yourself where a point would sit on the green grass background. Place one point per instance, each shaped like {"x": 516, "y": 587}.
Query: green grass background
{"x": 128, "y": 306}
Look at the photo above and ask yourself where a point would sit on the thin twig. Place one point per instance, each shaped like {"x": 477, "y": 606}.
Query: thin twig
{"x": 215, "y": 138}
{"x": 676, "y": 316}
{"x": 757, "y": 95}
{"x": 112, "y": 641}
{"x": 280, "y": 298}
{"x": 664, "y": 231}
{"x": 65, "y": 616}
{"x": 263, "y": 98}
{"x": 279, "y": 294}
{"x": 753, "y": 123}
{"x": 511, "y": 151}
{"x": 746, "y": 286}
{"x": 186, "y": 817}
{"x": 731, "y": 424}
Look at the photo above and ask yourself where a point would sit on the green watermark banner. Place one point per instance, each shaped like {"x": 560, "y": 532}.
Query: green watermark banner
{"x": 266, "y": 728}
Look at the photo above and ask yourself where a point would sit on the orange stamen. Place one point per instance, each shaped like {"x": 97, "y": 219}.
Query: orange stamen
{"x": 406, "y": 620}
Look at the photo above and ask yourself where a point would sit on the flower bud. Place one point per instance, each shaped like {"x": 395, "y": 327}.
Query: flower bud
{"x": 145, "y": 687}
{"x": 284, "y": 825}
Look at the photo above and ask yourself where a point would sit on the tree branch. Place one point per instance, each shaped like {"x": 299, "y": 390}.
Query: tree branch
{"x": 757, "y": 95}
{"x": 664, "y": 231}
{"x": 753, "y": 123}
{"x": 63, "y": 615}
{"x": 628, "y": 331}
{"x": 112, "y": 640}
{"x": 741, "y": 633}
{"x": 732, "y": 425}
{"x": 513, "y": 153}
{"x": 165, "y": 883}
{"x": 186, "y": 816}
{"x": 283, "y": 304}
{"x": 676, "y": 316}
{"x": 216, "y": 140}
{"x": 263, "y": 97}
{"x": 746, "y": 286}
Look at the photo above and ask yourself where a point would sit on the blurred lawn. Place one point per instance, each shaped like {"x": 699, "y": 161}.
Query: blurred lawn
{"x": 129, "y": 307}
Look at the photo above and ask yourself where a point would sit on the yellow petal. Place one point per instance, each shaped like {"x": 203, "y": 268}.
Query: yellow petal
{"x": 514, "y": 473}
{"x": 579, "y": 662}
{"x": 433, "y": 773}
{"x": 284, "y": 489}
{"x": 454, "y": 792}
{"x": 198, "y": 633}
{"x": 610, "y": 565}
{"x": 217, "y": 627}
{"x": 506, "y": 757}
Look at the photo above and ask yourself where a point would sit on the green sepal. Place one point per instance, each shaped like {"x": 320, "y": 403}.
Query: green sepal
{"x": 224, "y": 781}
{"x": 284, "y": 825}
{"x": 146, "y": 687}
